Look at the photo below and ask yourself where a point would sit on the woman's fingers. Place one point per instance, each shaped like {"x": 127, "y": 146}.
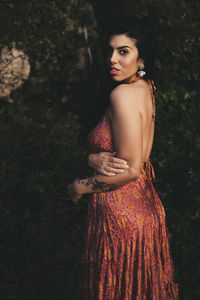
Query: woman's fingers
{"x": 108, "y": 173}
{"x": 115, "y": 165}
{"x": 112, "y": 167}
{"x": 110, "y": 156}
{"x": 108, "y": 153}
{"x": 107, "y": 164}
{"x": 115, "y": 170}
{"x": 118, "y": 160}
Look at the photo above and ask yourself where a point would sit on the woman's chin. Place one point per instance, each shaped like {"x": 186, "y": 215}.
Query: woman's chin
{"x": 116, "y": 79}
{"x": 120, "y": 79}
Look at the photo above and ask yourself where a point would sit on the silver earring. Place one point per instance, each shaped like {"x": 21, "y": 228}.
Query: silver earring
{"x": 141, "y": 73}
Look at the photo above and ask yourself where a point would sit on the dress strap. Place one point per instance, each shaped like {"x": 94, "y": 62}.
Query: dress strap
{"x": 149, "y": 170}
{"x": 134, "y": 79}
{"x": 152, "y": 89}
{"x": 153, "y": 94}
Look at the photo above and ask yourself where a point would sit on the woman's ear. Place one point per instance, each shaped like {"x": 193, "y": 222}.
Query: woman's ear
{"x": 140, "y": 62}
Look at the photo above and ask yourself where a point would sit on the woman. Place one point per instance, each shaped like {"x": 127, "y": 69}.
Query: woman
{"x": 127, "y": 253}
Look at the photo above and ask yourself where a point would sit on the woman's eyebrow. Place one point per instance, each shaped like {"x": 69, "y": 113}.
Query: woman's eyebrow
{"x": 123, "y": 47}
{"x": 119, "y": 48}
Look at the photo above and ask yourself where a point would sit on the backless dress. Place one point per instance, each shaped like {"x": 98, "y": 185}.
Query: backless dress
{"x": 127, "y": 246}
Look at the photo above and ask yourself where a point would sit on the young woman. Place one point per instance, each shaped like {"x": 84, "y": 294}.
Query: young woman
{"x": 127, "y": 251}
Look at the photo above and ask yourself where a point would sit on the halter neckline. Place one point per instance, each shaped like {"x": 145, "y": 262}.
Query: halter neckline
{"x": 134, "y": 79}
{"x": 152, "y": 89}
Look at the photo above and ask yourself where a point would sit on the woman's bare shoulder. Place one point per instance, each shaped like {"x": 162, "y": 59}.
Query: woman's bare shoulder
{"x": 130, "y": 92}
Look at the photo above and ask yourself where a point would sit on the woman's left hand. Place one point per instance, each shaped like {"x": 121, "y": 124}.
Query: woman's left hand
{"x": 74, "y": 190}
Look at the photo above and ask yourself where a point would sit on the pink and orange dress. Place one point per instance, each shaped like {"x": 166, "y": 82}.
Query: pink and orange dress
{"x": 127, "y": 246}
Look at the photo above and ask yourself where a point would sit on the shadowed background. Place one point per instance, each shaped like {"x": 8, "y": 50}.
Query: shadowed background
{"x": 44, "y": 124}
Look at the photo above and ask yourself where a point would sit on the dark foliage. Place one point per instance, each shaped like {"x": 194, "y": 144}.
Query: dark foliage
{"x": 43, "y": 132}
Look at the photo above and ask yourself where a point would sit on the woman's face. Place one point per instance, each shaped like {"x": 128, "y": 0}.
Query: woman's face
{"x": 123, "y": 58}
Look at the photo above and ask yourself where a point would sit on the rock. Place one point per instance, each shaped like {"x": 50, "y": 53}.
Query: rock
{"x": 14, "y": 69}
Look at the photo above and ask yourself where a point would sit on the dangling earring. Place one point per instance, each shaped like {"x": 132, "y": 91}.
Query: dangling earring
{"x": 141, "y": 66}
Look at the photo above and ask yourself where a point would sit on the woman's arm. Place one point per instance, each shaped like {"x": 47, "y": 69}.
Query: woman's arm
{"x": 128, "y": 140}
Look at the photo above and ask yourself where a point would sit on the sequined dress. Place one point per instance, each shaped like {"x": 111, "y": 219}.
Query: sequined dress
{"x": 127, "y": 246}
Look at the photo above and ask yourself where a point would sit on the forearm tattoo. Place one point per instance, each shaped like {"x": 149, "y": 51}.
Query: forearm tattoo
{"x": 99, "y": 185}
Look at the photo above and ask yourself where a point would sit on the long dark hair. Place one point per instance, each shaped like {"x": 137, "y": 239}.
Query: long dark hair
{"x": 135, "y": 28}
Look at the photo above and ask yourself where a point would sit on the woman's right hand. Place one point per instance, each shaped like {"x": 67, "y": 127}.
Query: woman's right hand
{"x": 106, "y": 163}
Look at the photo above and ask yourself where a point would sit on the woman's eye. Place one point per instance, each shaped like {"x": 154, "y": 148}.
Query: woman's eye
{"x": 123, "y": 52}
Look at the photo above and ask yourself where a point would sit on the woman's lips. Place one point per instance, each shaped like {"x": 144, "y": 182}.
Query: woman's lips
{"x": 113, "y": 71}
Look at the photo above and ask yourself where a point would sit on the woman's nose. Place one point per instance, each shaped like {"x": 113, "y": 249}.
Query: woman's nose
{"x": 113, "y": 58}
